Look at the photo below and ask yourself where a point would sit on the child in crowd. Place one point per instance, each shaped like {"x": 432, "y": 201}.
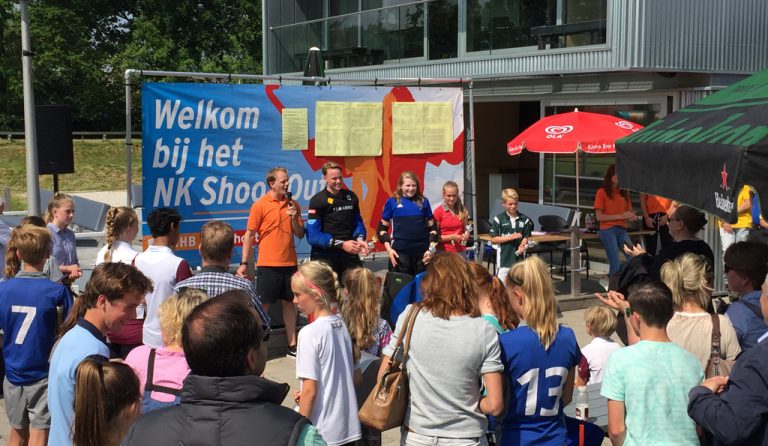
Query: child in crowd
{"x": 647, "y": 383}
{"x": 360, "y": 308}
{"x": 51, "y": 269}
{"x": 492, "y": 299}
{"x": 600, "y": 324}
{"x": 106, "y": 402}
{"x": 28, "y": 317}
{"x": 451, "y": 217}
{"x": 110, "y": 299}
{"x": 324, "y": 359}
{"x": 58, "y": 216}
{"x": 162, "y": 266}
{"x": 122, "y": 225}
{"x": 162, "y": 371}
{"x": 510, "y": 230}
{"x": 540, "y": 359}
{"x": 414, "y": 233}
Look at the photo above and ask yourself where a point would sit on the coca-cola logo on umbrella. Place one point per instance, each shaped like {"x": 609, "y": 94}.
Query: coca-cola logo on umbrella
{"x": 557, "y": 131}
{"x": 625, "y": 125}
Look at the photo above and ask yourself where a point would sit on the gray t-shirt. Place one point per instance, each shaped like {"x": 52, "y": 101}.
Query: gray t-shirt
{"x": 445, "y": 363}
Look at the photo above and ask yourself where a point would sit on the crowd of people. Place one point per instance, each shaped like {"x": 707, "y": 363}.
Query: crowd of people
{"x": 149, "y": 353}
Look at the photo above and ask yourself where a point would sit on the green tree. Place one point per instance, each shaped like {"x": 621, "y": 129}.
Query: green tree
{"x": 83, "y": 47}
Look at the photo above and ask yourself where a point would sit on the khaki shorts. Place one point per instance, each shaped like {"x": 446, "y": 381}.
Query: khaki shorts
{"x": 27, "y": 406}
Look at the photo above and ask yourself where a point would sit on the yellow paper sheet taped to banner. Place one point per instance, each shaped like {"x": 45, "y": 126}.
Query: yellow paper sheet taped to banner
{"x": 348, "y": 128}
{"x": 295, "y": 129}
{"x": 422, "y": 127}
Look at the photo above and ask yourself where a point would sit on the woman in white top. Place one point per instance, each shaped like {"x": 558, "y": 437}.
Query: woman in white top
{"x": 122, "y": 225}
{"x": 688, "y": 277}
{"x": 451, "y": 348}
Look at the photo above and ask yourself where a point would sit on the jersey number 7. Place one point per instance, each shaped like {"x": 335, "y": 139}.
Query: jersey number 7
{"x": 29, "y": 316}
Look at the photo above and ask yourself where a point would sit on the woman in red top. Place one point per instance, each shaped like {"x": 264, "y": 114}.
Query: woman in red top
{"x": 612, "y": 209}
{"x": 451, "y": 217}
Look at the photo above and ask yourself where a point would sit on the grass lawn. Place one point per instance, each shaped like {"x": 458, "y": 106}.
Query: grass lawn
{"x": 99, "y": 165}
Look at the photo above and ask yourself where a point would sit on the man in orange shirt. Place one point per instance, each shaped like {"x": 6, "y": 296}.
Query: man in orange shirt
{"x": 655, "y": 211}
{"x": 273, "y": 222}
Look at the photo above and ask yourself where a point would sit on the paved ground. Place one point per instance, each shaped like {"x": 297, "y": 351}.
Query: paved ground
{"x": 283, "y": 369}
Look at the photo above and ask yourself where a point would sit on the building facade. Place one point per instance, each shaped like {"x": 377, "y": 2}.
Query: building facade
{"x": 639, "y": 59}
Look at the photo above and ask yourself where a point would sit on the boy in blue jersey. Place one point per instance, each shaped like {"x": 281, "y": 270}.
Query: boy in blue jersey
{"x": 510, "y": 230}
{"x": 28, "y": 317}
{"x": 109, "y": 301}
{"x": 647, "y": 383}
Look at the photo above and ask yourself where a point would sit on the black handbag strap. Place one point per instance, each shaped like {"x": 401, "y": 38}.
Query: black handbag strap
{"x": 150, "y": 385}
{"x": 715, "y": 355}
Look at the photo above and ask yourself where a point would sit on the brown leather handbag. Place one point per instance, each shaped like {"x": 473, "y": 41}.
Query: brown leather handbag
{"x": 717, "y": 366}
{"x": 385, "y": 407}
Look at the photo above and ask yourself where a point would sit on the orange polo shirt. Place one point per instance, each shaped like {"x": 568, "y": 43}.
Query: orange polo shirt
{"x": 615, "y": 205}
{"x": 269, "y": 218}
{"x": 655, "y": 204}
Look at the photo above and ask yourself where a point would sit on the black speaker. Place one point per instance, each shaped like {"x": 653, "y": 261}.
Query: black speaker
{"x": 54, "y": 139}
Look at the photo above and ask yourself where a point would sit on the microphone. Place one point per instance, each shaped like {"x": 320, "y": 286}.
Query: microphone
{"x": 289, "y": 194}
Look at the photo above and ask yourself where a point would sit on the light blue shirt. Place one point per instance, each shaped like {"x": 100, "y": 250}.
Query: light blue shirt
{"x": 76, "y": 345}
{"x": 64, "y": 245}
{"x": 653, "y": 380}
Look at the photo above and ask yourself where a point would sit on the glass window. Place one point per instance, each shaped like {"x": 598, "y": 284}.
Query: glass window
{"x": 285, "y": 50}
{"x": 286, "y": 13}
{"x": 371, "y": 4}
{"x": 498, "y": 24}
{"x": 339, "y": 7}
{"x": 373, "y": 36}
{"x": 273, "y": 13}
{"x": 343, "y": 50}
{"x": 478, "y": 25}
{"x": 576, "y": 11}
{"x": 443, "y": 29}
{"x": 412, "y": 29}
{"x": 308, "y": 10}
{"x": 585, "y": 10}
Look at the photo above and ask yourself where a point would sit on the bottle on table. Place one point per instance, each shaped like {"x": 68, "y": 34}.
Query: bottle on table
{"x": 581, "y": 401}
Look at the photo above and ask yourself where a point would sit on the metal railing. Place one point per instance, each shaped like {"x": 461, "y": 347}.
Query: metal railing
{"x": 10, "y": 136}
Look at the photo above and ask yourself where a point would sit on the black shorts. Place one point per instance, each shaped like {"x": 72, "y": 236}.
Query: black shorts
{"x": 339, "y": 263}
{"x": 273, "y": 283}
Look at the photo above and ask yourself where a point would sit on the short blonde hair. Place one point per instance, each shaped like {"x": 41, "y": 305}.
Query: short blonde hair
{"x": 217, "y": 241}
{"x": 174, "y": 310}
{"x": 601, "y": 320}
{"x": 509, "y": 194}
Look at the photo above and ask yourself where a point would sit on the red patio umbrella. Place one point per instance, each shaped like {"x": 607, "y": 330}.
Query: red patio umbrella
{"x": 566, "y": 133}
{"x": 569, "y": 132}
